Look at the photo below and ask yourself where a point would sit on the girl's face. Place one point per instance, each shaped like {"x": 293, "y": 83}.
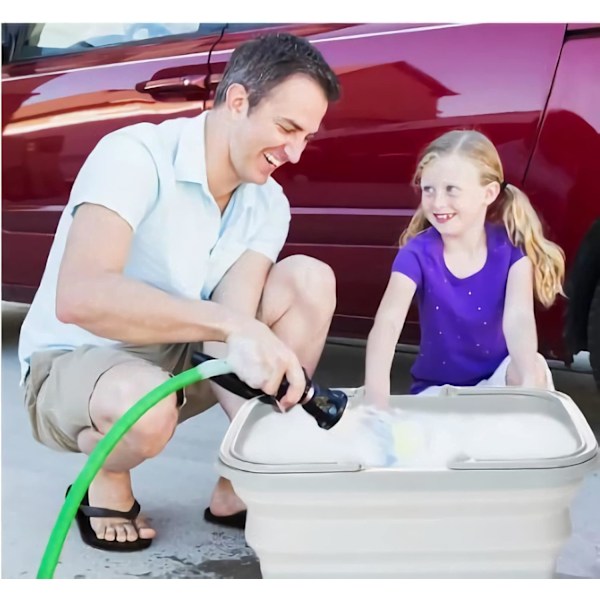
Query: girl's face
{"x": 452, "y": 196}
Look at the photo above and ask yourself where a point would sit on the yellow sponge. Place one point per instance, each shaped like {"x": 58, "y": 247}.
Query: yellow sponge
{"x": 408, "y": 439}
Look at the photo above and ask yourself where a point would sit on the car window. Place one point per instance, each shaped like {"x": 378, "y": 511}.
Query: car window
{"x": 49, "y": 39}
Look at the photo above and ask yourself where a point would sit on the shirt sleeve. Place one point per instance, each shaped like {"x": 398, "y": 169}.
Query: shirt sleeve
{"x": 407, "y": 263}
{"x": 516, "y": 253}
{"x": 272, "y": 233}
{"x": 120, "y": 174}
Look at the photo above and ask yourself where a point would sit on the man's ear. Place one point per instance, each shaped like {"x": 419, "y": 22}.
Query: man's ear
{"x": 236, "y": 99}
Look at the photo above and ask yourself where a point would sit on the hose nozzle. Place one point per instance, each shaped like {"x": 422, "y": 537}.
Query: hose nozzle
{"x": 325, "y": 405}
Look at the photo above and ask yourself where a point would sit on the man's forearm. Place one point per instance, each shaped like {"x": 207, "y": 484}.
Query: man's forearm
{"x": 113, "y": 306}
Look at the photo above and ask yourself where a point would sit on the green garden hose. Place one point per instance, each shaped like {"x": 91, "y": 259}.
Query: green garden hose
{"x": 106, "y": 445}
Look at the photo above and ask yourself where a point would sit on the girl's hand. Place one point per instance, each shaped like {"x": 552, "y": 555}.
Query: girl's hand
{"x": 377, "y": 399}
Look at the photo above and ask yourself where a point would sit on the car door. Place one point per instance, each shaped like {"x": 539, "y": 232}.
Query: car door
{"x": 66, "y": 85}
{"x": 402, "y": 86}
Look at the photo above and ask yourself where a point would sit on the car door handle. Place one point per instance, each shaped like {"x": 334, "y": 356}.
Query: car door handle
{"x": 186, "y": 85}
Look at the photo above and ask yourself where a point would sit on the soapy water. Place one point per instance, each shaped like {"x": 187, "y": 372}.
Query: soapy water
{"x": 406, "y": 438}
{"x": 362, "y": 435}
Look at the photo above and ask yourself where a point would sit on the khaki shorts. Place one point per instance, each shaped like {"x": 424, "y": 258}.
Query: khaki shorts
{"x": 60, "y": 383}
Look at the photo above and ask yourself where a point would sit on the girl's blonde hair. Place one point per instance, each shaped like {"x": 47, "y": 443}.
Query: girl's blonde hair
{"x": 511, "y": 207}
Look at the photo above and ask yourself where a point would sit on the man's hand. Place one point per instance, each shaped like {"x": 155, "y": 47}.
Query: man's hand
{"x": 260, "y": 359}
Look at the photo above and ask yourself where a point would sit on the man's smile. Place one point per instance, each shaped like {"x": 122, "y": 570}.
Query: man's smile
{"x": 272, "y": 160}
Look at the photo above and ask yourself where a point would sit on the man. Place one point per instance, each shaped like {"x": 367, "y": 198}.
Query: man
{"x": 170, "y": 238}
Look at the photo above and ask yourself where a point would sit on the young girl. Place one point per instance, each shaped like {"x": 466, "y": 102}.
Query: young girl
{"x": 475, "y": 255}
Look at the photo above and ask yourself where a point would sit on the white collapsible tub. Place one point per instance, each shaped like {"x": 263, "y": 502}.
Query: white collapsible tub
{"x": 471, "y": 518}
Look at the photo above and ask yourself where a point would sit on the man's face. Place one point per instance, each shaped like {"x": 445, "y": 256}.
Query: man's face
{"x": 277, "y": 129}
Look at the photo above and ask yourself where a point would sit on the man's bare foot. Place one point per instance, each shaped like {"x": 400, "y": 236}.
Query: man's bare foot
{"x": 225, "y": 501}
{"x": 113, "y": 490}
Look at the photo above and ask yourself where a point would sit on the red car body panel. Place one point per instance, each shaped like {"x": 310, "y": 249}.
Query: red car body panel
{"x": 526, "y": 86}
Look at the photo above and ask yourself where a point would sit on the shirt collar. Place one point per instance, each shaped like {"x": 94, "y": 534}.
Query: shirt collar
{"x": 190, "y": 161}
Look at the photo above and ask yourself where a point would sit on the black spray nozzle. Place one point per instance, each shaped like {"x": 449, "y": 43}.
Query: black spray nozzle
{"x": 325, "y": 405}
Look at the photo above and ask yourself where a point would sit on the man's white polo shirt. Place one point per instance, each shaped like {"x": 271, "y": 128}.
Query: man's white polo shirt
{"x": 154, "y": 177}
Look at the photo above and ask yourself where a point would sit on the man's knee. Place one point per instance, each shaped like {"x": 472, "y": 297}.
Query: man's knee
{"x": 311, "y": 281}
{"x": 118, "y": 390}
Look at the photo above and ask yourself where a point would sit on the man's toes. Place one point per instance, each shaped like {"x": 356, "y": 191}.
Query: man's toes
{"x": 124, "y": 532}
{"x": 100, "y": 532}
{"x": 144, "y": 530}
{"x": 121, "y": 532}
{"x": 110, "y": 534}
{"x": 130, "y": 531}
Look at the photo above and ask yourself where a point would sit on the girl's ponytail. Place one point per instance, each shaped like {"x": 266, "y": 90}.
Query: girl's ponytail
{"x": 525, "y": 230}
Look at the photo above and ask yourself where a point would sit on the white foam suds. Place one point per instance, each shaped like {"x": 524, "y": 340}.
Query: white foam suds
{"x": 406, "y": 438}
{"x": 295, "y": 437}
{"x": 426, "y": 439}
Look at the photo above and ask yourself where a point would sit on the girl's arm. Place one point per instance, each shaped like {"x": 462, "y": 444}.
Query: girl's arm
{"x": 518, "y": 322}
{"x": 384, "y": 335}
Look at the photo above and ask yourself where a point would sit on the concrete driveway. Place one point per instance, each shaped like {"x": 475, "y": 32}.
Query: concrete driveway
{"x": 175, "y": 487}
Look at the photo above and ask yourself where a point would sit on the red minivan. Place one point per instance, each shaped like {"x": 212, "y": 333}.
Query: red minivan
{"x": 534, "y": 89}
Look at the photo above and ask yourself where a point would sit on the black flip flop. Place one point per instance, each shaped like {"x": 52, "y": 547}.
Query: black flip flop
{"x": 88, "y": 535}
{"x": 237, "y": 520}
